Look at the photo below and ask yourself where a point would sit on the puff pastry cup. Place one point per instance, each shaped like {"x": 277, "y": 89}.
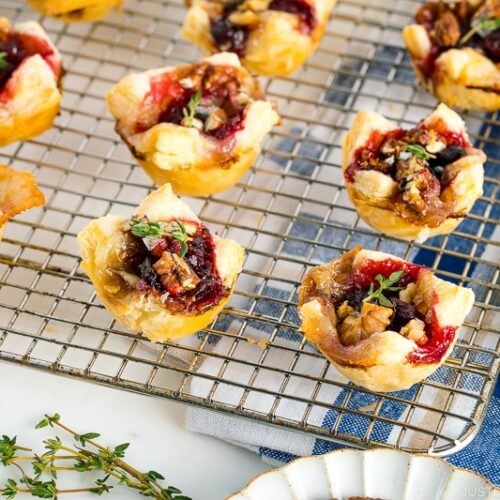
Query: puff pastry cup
{"x": 30, "y": 76}
{"x": 160, "y": 272}
{"x": 383, "y": 322}
{"x": 18, "y": 192}
{"x": 76, "y": 10}
{"x": 455, "y": 51}
{"x": 272, "y": 37}
{"x": 198, "y": 127}
{"x": 412, "y": 184}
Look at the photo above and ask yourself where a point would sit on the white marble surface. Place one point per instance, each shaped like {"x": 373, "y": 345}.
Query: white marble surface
{"x": 203, "y": 467}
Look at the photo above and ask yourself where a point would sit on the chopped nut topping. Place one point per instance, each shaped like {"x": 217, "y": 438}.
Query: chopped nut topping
{"x": 187, "y": 83}
{"x": 447, "y": 30}
{"x": 411, "y": 176}
{"x": 244, "y": 18}
{"x": 215, "y": 119}
{"x": 344, "y": 310}
{"x": 358, "y": 326}
{"x": 351, "y": 331}
{"x": 374, "y": 318}
{"x": 414, "y": 330}
{"x": 407, "y": 294}
{"x": 175, "y": 273}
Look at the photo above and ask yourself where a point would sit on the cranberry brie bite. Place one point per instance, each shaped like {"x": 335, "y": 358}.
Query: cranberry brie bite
{"x": 75, "y": 10}
{"x": 415, "y": 183}
{"x": 198, "y": 127}
{"x": 271, "y": 37}
{"x": 160, "y": 272}
{"x": 384, "y": 323}
{"x": 30, "y": 76}
{"x": 18, "y": 192}
{"x": 455, "y": 50}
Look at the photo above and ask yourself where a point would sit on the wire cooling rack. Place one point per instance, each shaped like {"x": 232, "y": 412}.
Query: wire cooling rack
{"x": 290, "y": 211}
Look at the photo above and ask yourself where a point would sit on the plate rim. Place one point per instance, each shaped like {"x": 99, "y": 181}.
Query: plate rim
{"x": 494, "y": 489}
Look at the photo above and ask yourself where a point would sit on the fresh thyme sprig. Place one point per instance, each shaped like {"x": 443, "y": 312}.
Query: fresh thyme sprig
{"x": 4, "y": 64}
{"x": 181, "y": 236}
{"x": 485, "y": 25}
{"x": 145, "y": 229}
{"x": 384, "y": 284}
{"x": 84, "y": 454}
{"x": 189, "y": 111}
{"x": 419, "y": 151}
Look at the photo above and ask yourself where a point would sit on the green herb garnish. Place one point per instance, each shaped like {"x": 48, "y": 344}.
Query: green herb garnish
{"x": 485, "y": 25}
{"x": 419, "y": 151}
{"x": 384, "y": 284}
{"x": 189, "y": 111}
{"x": 83, "y": 454}
{"x": 181, "y": 236}
{"x": 4, "y": 64}
{"x": 144, "y": 229}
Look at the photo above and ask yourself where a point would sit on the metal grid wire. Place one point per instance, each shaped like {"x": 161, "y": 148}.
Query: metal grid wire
{"x": 290, "y": 212}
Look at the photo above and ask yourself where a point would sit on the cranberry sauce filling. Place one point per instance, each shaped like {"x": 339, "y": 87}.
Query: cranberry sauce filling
{"x": 370, "y": 156}
{"x": 19, "y": 46}
{"x": 438, "y": 338}
{"x": 178, "y": 290}
{"x": 233, "y": 37}
{"x": 205, "y": 97}
{"x": 417, "y": 161}
{"x": 364, "y": 277}
{"x": 450, "y": 24}
{"x": 301, "y": 8}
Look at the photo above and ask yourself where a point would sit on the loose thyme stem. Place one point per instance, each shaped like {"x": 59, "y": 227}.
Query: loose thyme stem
{"x": 101, "y": 459}
{"x": 123, "y": 465}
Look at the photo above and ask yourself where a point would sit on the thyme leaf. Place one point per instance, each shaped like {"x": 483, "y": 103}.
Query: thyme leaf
{"x": 181, "y": 236}
{"x": 4, "y": 64}
{"x": 145, "y": 229}
{"x": 82, "y": 455}
{"x": 419, "y": 151}
{"x": 484, "y": 26}
{"x": 384, "y": 284}
{"x": 189, "y": 111}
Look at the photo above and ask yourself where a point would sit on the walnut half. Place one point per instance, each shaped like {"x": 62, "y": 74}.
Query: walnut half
{"x": 175, "y": 273}
{"x": 372, "y": 319}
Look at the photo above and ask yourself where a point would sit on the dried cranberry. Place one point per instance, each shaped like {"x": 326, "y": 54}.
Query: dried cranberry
{"x": 174, "y": 113}
{"x": 15, "y": 55}
{"x": 403, "y": 312}
{"x": 148, "y": 274}
{"x": 451, "y": 154}
{"x": 355, "y": 297}
{"x": 491, "y": 45}
{"x": 229, "y": 36}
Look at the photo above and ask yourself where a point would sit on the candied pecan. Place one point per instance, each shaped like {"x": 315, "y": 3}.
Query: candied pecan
{"x": 447, "y": 30}
{"x": 175, "y": 273}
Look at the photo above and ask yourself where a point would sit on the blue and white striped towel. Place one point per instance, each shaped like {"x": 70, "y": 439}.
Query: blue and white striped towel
{"x": 277, "y": 444}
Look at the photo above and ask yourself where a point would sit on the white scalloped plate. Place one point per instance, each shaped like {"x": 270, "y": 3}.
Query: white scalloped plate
{"x": 384, "y": 474}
